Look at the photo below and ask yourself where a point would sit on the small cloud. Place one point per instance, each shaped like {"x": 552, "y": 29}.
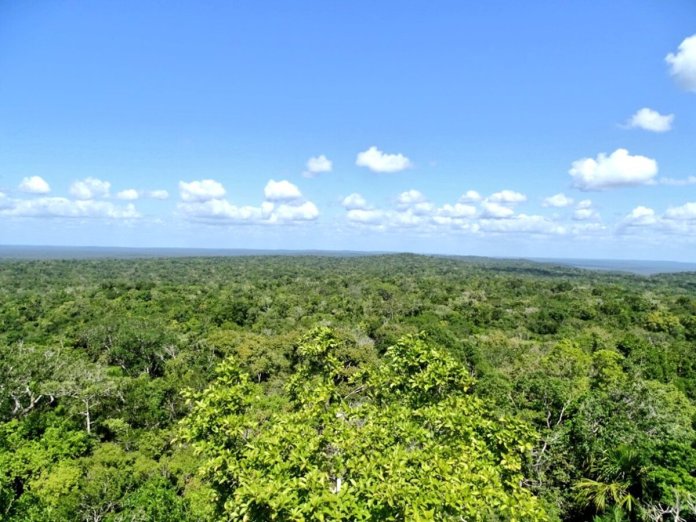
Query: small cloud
{"x": 495, "y": 210}
{"x": 34, "y": 185}
{"x": 585, "y": 214}
{"x": 470, "y": 196}
{"x": 585, "y": 203}
{"x": 203, "y": 190}
{"x": 640, "y": 216}
{"x": 284, "y": 213}
{"x": 682, "y": 65}
{"x": 317, "y": 165}
{"x": 458, "y": 210}
{"x": 507, "y": 197}
{"x": 90, "y": 188}
{"x": 281, "y": 191}
{"x": 619, "y": 169}
{"x": 686, "y": 212}
{"x": 355, "y": 201}
{"x": 378, "y": 161}
{"x": 558, "y": 201}
{"x": 410, "y": 197}
{"x": 365, "y": 216}
{"x": 650, "y": 120}
{"x": 128, "y": 195}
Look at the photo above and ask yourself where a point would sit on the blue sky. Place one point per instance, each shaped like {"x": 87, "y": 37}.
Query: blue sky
{"x": 545, "y": 128}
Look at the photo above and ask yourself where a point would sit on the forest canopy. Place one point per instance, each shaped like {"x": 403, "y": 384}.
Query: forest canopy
{"x": 391, "y": 387}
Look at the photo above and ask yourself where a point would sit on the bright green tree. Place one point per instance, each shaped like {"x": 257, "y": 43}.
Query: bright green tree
{"x": 405, "y": 440}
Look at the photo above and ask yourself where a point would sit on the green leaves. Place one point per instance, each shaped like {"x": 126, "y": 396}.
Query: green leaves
{"x": 408, "y": 442}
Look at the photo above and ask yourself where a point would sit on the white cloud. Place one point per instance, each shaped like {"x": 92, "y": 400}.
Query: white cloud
{"x": 508, "y": 197}
{"x": 34, "y": 185}
{"x": 128, "y": 195}
{"x": 683, "y": 64}
{"x": 650, "y": 120}
{"x": 410, "y": 197}
{"x": 585, "y": 214}
{"x": 619, "y": 169}
{"x": 283, "y": 205}
{"x": 458, "y": 210}
{"x": 365, "y": 216}
{"x": 686, "y": 212}
{"x": 90, "y": 188}
{"x": 470, "y": 196}
{"x": 283, "y": 213}
{"x": 220, "y": 209}
{"x": 317, "y": 165}
{"x": 203, "y": 190}
{"x": 378, "y": 161}
{"x": 355, "y": 201}
{"x": 281, "y": 191}
{"x": 495, "y": 210}
{"x": 413, "y": 211}
{"x": 133, "y": 194}
{"x": 558, "y": 201}
{"x": 57, "y": 207}
{"x": 640, "y": 216}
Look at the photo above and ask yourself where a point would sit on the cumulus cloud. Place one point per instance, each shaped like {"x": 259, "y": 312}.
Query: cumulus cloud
{"x": 650, "y": 120}
{"x": 410, "y": 197}
{"x": 584, "y": 211}
{"x": 34, "y": 185}
{"x": 507, "y": 197}
{"x": 619, "y": 169}
{"x": 585, "y": 214}
{"x": 128, "y": 194}
{"x": 640, "y": 216}
{"x": 365, "y": 216}
{"x": 133, "y": 194}
{"x": 458, "y": 210}
{"x": 90, "y": 188}
{"x": 682, "y": 64}
{"x": 494, "y": 210}
{"x": 378, "y": 161}
{"x": 283, "y": 205}
{"x": 203, "y": 190}
{"x": 493, "y": 215}
{"x": 415, "y": 203}
{"x": 470, "y": 196}
{"x": 219, "y": 209}
{"x": 283, "y": 213}
{"x": 281, "y": 191}
{"x": 58, "y": 207}
{"x": 317, "y": 165}
{"x": 558, "y": 201}
{"x": 355, "y": 201}
{"x": 686, "y": 212}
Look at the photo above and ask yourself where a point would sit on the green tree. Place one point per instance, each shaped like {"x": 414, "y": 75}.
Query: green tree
{"x": 402, "y": 441}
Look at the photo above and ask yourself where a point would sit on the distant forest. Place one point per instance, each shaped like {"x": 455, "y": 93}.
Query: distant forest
{"x": 391, "y": 387}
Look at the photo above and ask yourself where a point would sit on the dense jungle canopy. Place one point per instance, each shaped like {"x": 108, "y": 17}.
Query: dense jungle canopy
{"x": 395, "y": 387}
